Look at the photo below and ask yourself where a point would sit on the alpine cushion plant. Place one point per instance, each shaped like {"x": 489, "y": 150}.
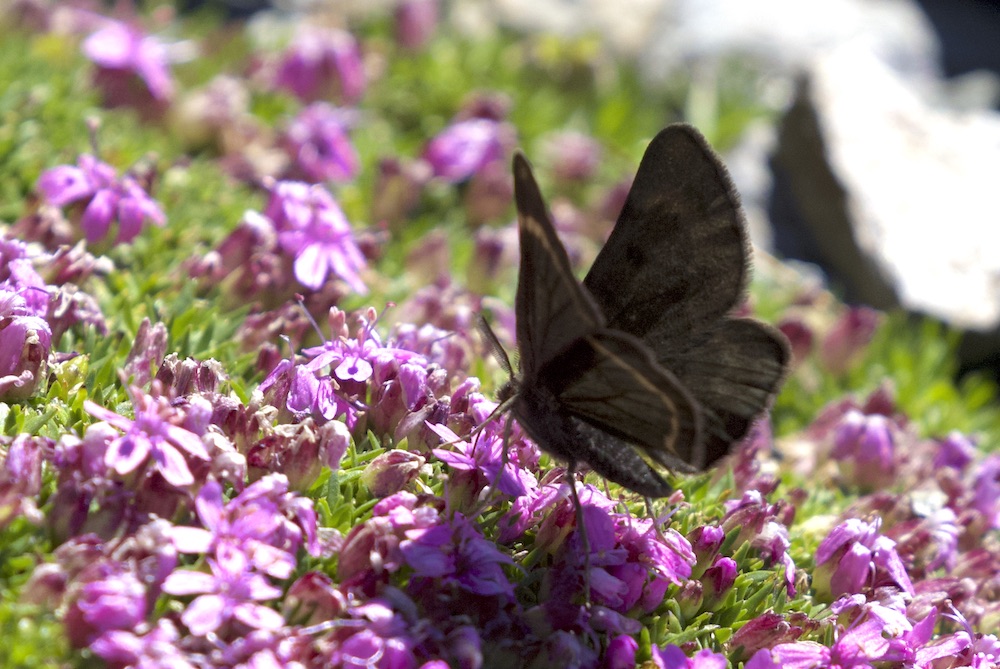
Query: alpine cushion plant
{"x": 191, "y": 476}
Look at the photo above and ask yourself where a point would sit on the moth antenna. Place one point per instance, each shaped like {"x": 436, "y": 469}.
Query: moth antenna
{"x": 504, "y": 458}
{"x": 496, "y": 348}
{"x": 504, "y": 453}
{"x": 652, "y": 516}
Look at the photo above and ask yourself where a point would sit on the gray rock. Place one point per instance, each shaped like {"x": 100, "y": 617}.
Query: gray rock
{"x": 780, "y": 35}
{"x": 896, "y": 196}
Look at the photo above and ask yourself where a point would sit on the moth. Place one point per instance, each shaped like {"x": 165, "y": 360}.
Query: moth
{"x": 643, "y": 365}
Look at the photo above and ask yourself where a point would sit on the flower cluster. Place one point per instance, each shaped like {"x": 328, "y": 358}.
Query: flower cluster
{"x": 132, "y": 68}
{"x": 105, "y": 201}
{"x": 302, "y": 239}
{"x": 35, "y": 314}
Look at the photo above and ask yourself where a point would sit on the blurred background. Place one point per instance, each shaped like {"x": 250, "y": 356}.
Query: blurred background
{"x": 877, "y": 159}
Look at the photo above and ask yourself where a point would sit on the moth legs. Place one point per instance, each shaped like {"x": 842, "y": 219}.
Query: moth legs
{"x": 581, "y": 528}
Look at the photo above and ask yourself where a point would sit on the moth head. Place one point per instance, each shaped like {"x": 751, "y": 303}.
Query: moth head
{"x": 507, "y": 390}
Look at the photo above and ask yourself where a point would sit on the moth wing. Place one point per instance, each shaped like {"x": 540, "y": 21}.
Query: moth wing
{"x": 732, "y": 368}
{"x": 675, "y": 264}
{"x": 552, "y": 308}
{"x": 611, "y": 381}
{"x": 678, "y": 254}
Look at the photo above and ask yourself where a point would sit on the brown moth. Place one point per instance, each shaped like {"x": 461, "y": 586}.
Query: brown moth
{"x": 643, "y": 364}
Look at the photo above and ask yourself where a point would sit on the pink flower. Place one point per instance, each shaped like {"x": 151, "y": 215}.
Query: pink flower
{"x": 312, "y": 228}
{"x": 106, "y": 198}
{"x": 318, "y": 143}
{"x": 464, "y": 148}
{"x": 321, "y": 64}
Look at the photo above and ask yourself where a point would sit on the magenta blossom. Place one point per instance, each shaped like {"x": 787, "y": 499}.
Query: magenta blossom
{"x": 21, "y": 477}
{"x": 157, "y": 647}
{"x": 152, "y": 439}
{"x": 484, "y": 454}
{"x": 465, "y": 148}
{"x": 879, "y": 635}
{"x": 672, "y": 657}
{"x": 254, "y": 527}
{"x": 458, "y": 556}
{"x": 573, "y": 155}
{"x": 865, "y": 445}
{"x": 231, "y": 592}
{"x": 121, "y": 49}
{"x": 25, "y": 343}
{"x": 416, "y": 22}
{"x": 132, "y": 69}
{"x": 18, "y": 275}
{"x": 848, "y": 338}
{"x": 856, "y": 558}
{"x": 322, "y": 64}
{"x": 313, "y": 229}
{"x": 106, "y": 199}
{"x": 319, "y": 146}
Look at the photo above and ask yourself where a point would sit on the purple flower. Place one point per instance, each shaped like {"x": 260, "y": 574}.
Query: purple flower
{"x": 955, "y": 451}
{"x": 718, "y": 581}
{"x": 322, "y": 64}
{"x": 18, "y": 275}
{"x": 911, "y": 644}
{"x": 67, "y": 184}
{"x": 119, "y": 49}
{"x": 158, "y": 647}
{"x": 318, "y": 143}
{"x": 464, "y": 148}
{"x": 705, "y": 540}
{"x": 250, "y": 265}
{"x": 672, "y": 657}
{"x": 484, "y": 455}
{"x": 447, "y": 349}
{"x": 268, "y": 523}
{"x": 865, "y": 445}
{"x": 313, "y": 229}
{"x": 855, "y": 558}
{"x": 930, "y": 540}
{"x": 762, "y": 525}
{"x": 655, "y": 560}
{"x": 371, "y": 549}
{"x": 21, "y": 477}
{"x": 105, "y": 198}
{"x": 355, "y": 375}
{"x": 25, "y": 343}
{"x": 116, "y": 602}
{"x": 799, "y": 335}
{"x": 572, "y": 155}
{"x": 229, "y": 593}
{"x": 879, "y": 634}
{"x": 848, "y": 338}
{"x": 382, "y": 643}
{"x": 767, "y": 630}
{"x": 151, "y": 439}
{"x": 313, "y": 598}
{"x": 458, "y": 555}
{"x": 299, "y": 450}
{"x": 416, "y": 21}
{"x": 529, "y": 510}
{"x": 986, "y": 492}
{"x": 621, "y": 652}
